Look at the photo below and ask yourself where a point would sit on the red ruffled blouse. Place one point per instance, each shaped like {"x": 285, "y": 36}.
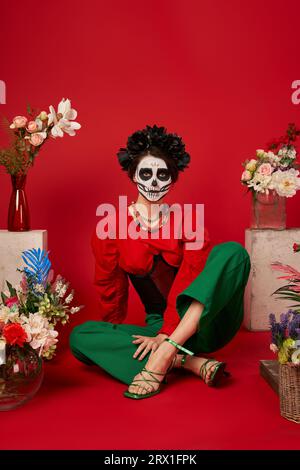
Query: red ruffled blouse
{"x": 116, "y": 258}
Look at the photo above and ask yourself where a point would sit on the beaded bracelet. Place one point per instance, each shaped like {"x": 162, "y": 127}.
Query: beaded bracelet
{"x": 179, "y": 347}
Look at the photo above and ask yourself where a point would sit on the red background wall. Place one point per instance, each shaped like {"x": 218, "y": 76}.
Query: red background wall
{"x": 218, "y": 73}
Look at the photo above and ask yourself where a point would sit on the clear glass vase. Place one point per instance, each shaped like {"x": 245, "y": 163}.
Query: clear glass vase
{"x": 268, "y": 211}
{"x": 20, "y": 376}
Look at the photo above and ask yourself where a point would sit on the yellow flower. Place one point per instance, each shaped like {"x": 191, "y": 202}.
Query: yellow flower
{"x": 251, "y": 166}
{"x": 260, "y": 153}
{"x": 43, "y": 116}
{"x": 285, "y": 350}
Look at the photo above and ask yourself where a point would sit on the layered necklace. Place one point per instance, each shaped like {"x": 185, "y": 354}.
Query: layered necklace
{"x": 148, "y": 223}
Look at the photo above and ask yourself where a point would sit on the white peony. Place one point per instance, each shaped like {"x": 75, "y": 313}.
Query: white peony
{"x": 261, "y": 183}
{"x": 63, "y": 120}
{"x": 286, "y": 183}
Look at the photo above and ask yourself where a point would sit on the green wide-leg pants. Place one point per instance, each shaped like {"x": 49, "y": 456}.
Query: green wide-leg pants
{"x": 220, "y": 287}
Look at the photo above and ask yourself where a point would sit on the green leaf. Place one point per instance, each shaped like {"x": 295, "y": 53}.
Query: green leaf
{"x": 4, "y": 297}
{"x": 289, "y": 297}
{"x": 11, "y": 289}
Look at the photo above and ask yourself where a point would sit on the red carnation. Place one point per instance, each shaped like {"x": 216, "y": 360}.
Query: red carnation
{"x": 296, "y": 247}
{"x": 14, "y": 333}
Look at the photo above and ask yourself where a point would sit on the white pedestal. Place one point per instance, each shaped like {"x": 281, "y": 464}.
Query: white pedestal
{"x": 11, "y": 246}
{"x": 264, "y": 247}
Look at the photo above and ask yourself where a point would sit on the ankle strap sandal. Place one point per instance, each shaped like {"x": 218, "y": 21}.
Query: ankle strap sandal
{"x": 178, "y": 346}
{"x": 217, "y": 374}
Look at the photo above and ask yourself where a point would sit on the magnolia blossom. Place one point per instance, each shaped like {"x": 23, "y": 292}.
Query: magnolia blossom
{"x": 286, "y": 183}
{"x": 40, "y": 332}
{"x": 265, "y": 169}
{"x": 63, "y": 120}
{"x": 18, "y": 121}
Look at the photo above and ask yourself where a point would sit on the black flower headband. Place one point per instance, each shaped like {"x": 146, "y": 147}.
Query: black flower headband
{"x": 171, "y": 145}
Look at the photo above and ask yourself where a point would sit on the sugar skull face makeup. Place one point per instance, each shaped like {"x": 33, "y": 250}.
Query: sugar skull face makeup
{"x": 153, "y": 178}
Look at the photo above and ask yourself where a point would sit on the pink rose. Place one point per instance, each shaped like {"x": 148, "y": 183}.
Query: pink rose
{"x": 36, "y": 139}
{"x": 265, "y": 169}
{"x": 246, "y": 176}
{"x": 11, "y": 301}
{"x": 32, "y": 126}
{"x": 18, "y": 121}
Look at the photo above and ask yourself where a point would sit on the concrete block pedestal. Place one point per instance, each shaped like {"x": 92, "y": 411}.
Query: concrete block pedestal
{"x": 264, "y": 247}
{"x": 11, "y": 246}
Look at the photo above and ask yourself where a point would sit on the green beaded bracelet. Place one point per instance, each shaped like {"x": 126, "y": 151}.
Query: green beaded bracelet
{"x": 179, "y": 347}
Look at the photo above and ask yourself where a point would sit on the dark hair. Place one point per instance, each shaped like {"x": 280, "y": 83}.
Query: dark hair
{"x": 157, "y": 142}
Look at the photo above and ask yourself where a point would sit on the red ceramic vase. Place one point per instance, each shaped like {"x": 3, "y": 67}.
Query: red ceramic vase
{"x": 18, "y": 212}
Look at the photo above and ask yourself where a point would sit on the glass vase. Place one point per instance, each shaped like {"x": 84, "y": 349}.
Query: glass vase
{"x": 18, "y": 212}
{"x": 268, "y": 211}
{"x": 20, "y": 376}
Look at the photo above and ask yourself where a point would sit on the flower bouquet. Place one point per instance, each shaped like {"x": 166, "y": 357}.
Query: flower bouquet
{"x": 286, "y": 342}
{"x": 29, "y": 314}
{"x": 272, "y": 176}
{"x": 27, "y": 135}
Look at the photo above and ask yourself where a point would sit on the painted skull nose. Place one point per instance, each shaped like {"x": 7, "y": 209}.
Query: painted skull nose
{"x": 154, "y": 183}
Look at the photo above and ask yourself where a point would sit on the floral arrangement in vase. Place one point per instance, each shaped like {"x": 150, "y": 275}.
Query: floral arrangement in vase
{"x": 271, "y": 177}
{"x": 28, "y": 134}
{"x": 286, "y": 332}
{"x": 29, "y": 314}
{"x": 286, "y": 341}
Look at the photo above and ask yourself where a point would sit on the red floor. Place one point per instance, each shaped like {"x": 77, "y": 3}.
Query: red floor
{"x": 81, "y": 407}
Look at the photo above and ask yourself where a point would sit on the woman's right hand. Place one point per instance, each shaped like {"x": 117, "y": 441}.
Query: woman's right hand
{"x": 147, "y": 344}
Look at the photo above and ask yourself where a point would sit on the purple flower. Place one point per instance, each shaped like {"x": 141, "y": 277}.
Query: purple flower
{"x": 294, "y": 325}
{"x": 288, "y": 326}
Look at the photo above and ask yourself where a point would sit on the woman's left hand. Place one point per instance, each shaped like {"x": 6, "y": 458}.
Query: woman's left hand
{"x": 147, "y": 344}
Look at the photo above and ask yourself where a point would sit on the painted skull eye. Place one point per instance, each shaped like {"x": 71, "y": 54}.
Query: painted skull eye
{"x": 163, "y": 174}
{"x": 145, "y": 173}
